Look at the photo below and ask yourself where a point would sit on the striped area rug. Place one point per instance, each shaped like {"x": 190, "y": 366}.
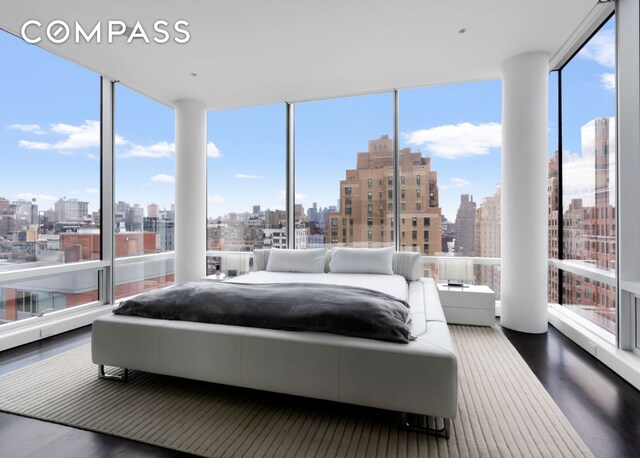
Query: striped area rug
{"x": 503, "y": 411}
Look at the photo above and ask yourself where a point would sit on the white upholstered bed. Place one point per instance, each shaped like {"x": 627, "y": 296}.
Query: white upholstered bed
{"x": 415, "y": 378}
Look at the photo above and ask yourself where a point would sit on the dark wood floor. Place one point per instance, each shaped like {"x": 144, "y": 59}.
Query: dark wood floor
{"x": 603, "y": 408}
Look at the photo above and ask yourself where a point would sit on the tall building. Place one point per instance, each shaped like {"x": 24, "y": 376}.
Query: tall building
{"x": 553, "y": 208}
{"x": 25, "y": 212}
{"x": 487, "y": 241}
{"x": 71, "y": 210}
{"x": 5, "y": 206}
{"x": 365, "y": 215}
{"x": 134, "y": 220}
{"x": 589, "y": 220}
{"x": 165, "y": 230}
{"x": 465, "y": 226}
{"x": 312, "y": 212}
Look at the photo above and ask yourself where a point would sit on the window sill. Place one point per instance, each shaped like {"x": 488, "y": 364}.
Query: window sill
{"x": 624, "y": 363}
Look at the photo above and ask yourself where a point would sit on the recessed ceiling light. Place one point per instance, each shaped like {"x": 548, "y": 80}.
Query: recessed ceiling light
{"x": 462, "y": 30}
{"x": 193, "y": 74}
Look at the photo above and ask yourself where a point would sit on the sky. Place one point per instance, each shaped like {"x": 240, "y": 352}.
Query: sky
{"x": 49, "y": 135}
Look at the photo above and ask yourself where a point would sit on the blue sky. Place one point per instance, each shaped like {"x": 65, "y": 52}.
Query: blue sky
{"x": 49, "y": 135}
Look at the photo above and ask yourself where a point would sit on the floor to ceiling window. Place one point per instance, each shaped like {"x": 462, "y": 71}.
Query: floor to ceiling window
{"x": 144, "y": 193}
{"x": 589, "y": 179}
{"x": 344, "y": 172}
{"x": 49, "y": 178}
{"x": 245, "y": 185}
{"x": 450, "y": 147}
{"x": 553, "y": 188}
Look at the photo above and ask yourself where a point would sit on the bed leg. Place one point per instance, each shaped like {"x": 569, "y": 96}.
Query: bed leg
{"x": 428, "y": 425}
{"x": 118, "y": 378}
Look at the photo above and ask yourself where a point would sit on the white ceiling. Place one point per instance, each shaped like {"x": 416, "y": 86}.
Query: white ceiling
{"x": 250, "y": 52}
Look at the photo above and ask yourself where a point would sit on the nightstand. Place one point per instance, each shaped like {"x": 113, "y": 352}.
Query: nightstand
{"x": 471, "y": 304}
{"x": 214, "y": 277}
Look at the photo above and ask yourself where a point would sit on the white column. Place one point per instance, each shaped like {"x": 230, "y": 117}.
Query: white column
{"x": 191, "y": 190}
{"x": 524, "y": 193}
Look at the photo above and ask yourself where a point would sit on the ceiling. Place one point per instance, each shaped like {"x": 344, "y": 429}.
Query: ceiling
{"x": 252, "y": 52}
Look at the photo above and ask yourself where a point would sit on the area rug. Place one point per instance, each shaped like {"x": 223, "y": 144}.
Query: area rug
{"x": 503, "y": 411}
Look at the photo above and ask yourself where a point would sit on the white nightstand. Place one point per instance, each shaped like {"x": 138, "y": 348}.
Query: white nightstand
{"x": 471, "y": 304}
{"x": 214, "y": 277}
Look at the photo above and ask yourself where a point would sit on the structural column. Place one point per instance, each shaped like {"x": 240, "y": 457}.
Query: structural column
{"x": 191, "y": 190}
{"x": 524, "y": 193}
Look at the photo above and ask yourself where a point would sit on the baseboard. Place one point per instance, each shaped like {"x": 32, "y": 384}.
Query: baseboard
{"x": 624, "y": 363}
{"x": 32, "y": 333}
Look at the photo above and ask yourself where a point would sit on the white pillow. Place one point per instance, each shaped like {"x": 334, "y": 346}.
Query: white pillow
{"x": 307, "y": 261}
{"x": 362, "y": 260}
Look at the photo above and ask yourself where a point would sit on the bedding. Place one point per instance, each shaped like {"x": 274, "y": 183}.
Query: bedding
{"x": 393, "y": 285}
{"x": 337, "y": 309}
{"x": 362, "y": 260}
{"x": 304, "y": 261}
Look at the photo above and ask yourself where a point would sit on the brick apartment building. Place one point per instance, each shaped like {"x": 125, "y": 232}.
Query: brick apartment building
{"x": 365, "y": 217}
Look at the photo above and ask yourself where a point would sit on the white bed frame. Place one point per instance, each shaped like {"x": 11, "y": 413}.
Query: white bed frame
{"x": 419, "y": 378}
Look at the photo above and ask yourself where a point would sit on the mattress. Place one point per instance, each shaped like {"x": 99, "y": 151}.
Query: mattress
{"x": 393, "y": 285}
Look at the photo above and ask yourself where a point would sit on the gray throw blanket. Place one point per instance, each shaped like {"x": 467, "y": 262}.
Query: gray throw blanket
{"x": 346, "y": 310}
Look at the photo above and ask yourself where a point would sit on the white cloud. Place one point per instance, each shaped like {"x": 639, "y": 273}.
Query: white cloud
{"x": 32, "y": 128}
{"x": 92, "y": 190}
{"x": 212, "y": 150}
{"x": 120, "y": 140}
{"x": 459, "y": 182}
{"x": 84, "y": 136}
{"x": 249, "y": 177}
{"x": 454, "y": 141}
{"x": 608, "y": 80}
{"x": 38, "y": 197}
{"x": 216, "y": 199}
{"x": 87, "y": 136}
{"x": 34, "y": 145}
{"x": 601, "y": 49}
{"x": 163, "y": 178}
{"x": 157, "y": 150}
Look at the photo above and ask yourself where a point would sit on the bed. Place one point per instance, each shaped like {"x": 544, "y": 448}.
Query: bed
{"x": 418, "y": 379}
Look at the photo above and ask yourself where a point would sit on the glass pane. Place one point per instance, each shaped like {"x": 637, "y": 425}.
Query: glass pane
{"x": 49, "y": 151}
{"x": 144, "y": 191}
{"x": 591, "y": 299}
{"x": 138, "y": 274}
{"x": 589, "y": 174}
{"x": 246, "y": 184}
{"x": 589, "y": 156}
{"x": 26, "y": 299}
{"x": 453, "y": 135}
{"x": 553, "y": 189}
{"x": 344, "y": 172}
